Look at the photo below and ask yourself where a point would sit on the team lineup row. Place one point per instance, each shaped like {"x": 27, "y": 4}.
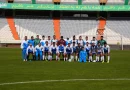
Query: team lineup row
{"x": 71, "y": 50}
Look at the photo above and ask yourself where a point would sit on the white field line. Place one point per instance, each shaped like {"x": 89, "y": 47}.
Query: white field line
{"x": 65, "y": 80}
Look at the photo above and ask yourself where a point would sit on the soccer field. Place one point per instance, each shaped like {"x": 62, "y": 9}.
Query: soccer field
{"x": 58, "y": 75}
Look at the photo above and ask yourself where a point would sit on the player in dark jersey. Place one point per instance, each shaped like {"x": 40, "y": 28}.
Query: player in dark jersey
{"x": 78, "y": 49}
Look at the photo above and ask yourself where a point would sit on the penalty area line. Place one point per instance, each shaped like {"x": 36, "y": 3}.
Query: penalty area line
{"x": 64, "y": 80}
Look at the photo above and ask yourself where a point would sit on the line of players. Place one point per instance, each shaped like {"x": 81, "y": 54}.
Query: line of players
{"x": 69, "y": 49}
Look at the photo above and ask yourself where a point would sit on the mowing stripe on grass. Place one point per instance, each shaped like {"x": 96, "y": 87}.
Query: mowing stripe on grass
{"x": 65, "y": 80}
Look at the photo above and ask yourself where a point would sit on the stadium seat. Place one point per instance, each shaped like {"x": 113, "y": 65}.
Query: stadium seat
{"x": 3, "y": 1}
{"x": 116, "y": 29}
{"x": 33, "y": 26}
{"x": 117, "y": 2}
{"x": 44, "y": 1}
{"x": 5, "y": 32}
{"x": 69, "y": 1}
{"x": 70, "y": 27}
{"x": 90, "y": 2}
{"x": 22, "y": 1}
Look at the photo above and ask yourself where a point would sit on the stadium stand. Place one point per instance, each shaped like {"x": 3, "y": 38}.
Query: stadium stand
{"x": 117, "y": 29}
{"x": 22, "y": 1}
{"x": 70, "y": 27}
{"x": 31, "y": 26}
{"x": 69, "y": 1}
{"x": 44, "y": 1}
{"x": 118, "y": 2}
{"x": 89, "y": 2}
{"x": 5, "y": 32}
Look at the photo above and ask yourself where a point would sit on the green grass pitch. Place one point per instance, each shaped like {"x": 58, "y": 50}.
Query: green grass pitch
{"x": 13, "y": 69}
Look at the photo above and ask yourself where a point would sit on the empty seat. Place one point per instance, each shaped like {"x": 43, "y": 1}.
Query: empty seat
{"x": 22, "y": 1}
{"x": 69, "y": 1}
{"x": 70, "y": 27}
{"x": 33, "y": 26}
{"x": 95, "y": 2}
{"x": 117, "y": 2}
{"x": 44, "y": 1}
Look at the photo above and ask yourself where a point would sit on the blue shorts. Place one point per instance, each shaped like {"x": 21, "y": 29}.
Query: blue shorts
{"x": 98, "y": 53}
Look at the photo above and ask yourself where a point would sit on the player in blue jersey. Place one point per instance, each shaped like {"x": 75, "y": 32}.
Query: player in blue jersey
{"x": 61, "y": 51}
{"x": 53, "y": 51}
{"x": 74, "y": 50}
{"x": 31, "y": 41}
{"x": 43, "y": 40}
{"x": 39, "y": 51}
{"x": 68, "y": 41}
{"x": 47, "y": 55}
{"x": 92, "y": 52}
{"x": 30, "y": 51}
{"x": 24, "y": 46}
{"x": 68, "y": 52}
{"x": 82, "y": 55}
{"x": 87, "y": 48}
{"x": 106, "y": 49}
{"x": 99, "y": 52}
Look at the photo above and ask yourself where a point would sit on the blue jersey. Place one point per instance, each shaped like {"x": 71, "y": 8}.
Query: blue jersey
{"x": 24, "y": 44}
{"x": 31, "y": 42}
{"x": 68, "y": 41}
{"x": 61, "y": 49}
{"x": 87, "y": 48}
{"x": 83, "y": 54}
{"x": 74, "y": 48}
{"x": 42, "y": 42}
{"x": 53, "y": 49}
{"x": 46, "y": 48}
{"x": 69, "y": 50}
{"x": 39, "y": 48}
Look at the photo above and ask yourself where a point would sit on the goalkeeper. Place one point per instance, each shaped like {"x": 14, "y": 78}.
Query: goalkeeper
{"x": 83, "y": 55}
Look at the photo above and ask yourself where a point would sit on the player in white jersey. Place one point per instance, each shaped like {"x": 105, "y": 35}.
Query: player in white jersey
{"x": 87, "y": 48}
{"x": 24, "y": 46}
{"x": 61, "y": 51}
{"x": 80, "y": 40}
{"x": 74, "y": 40}
{"x": 54, "y": 51}
{"x": 54, "y": 40}
{"x": 99, "y": 52}
{"x": 92, "y": 52}
{"x": 94, "y": 41}
{"x": 73, "y": 45}
{"x": 43, "y": 40}
{"x": 46, "y": 51}
{"x": 39, "y": 51}
{"x": 30, "y": 51}
{"x": 106, "y": 49}
{"x": 68, "y": 52}
{"x": 86, "y": 40}
{"x": 49, "y": 40}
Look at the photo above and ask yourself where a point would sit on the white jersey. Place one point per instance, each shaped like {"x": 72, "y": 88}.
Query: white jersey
{"x": 106, "y": 49}
{"x": 81, "y": 42}
{"x": 24, "y": 44}
{"x": 87, "y": 48}
{"x": 39, "y": 48}
{"x": 43, "y": 42}
{"x": 99, "y": 48}
{"x": 49, "y": 42}
{"x": 46, "y": 48}
{"x": 95, "y": 42}
{"x": 54, "y": 40}
{"x": 86, "y": 41}
{"x": 74, "y": 41}
{"x": 30, "y": 49}
{"x": 53, "y": 49}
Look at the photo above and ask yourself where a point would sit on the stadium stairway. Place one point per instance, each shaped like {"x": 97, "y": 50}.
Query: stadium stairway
{"x": 11, "y": 23}
{"x": 101, "y": 28}
{"x": 56, "y": 23}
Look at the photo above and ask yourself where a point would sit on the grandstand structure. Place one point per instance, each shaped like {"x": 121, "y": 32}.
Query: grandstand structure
{"x": 110, "y": 18}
